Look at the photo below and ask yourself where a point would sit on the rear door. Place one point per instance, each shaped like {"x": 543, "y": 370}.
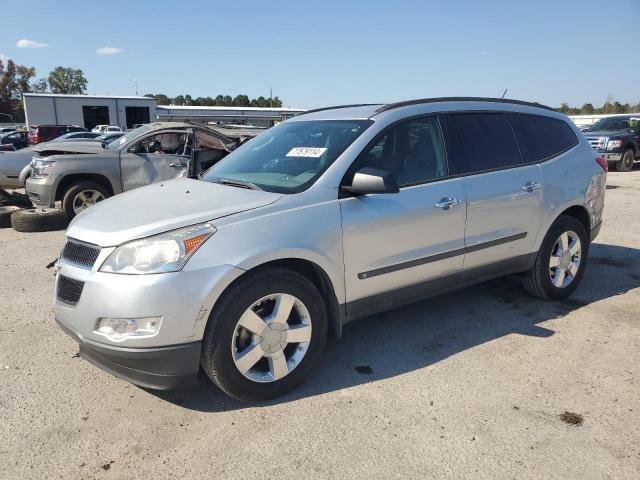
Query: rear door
{"x": 504, "y": 193}
{"x": 160, "y": 156}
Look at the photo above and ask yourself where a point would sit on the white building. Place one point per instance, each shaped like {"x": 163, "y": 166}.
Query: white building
{"x": 87, "y": 110}
{"x": 257, "y": 116}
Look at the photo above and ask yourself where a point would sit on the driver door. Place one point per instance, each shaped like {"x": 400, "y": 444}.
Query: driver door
{"x": 154, "y": 158}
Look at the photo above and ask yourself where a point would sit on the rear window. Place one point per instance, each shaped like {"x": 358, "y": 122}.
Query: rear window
{"x": 541, "y": 138}
{"x": 487, "y": 141}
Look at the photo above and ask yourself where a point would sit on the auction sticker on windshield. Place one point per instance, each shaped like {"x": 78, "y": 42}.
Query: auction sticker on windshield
{"x": 312, "y": 152}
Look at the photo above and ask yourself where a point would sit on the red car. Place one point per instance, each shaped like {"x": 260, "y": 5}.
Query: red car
{"x": 45, "y": 133}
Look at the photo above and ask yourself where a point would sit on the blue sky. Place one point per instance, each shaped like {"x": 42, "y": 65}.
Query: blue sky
{"x": 317, "y": 53}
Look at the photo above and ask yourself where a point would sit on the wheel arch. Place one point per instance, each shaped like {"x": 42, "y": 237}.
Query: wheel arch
{"x": 579, "y": 212}
{"x": 68, "y": 180}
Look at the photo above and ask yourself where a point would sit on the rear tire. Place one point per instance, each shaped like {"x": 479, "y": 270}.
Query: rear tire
{"x": 223, "y": 347}
{"x": 81, "y": 195}
{"x": 539, "y": 281}
{"x": 625, "y": 164}
{"x": 32, "y": 220}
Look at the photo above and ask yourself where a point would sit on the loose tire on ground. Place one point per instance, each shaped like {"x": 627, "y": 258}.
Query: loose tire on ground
{"x": 217, "y": 357}
{"x": 5, "y": 216}
{"x": 625, "y": 164}
{"x": 32, "y": 220}
{"x": 538, "y": 281}
{"x": 77, "y": 189}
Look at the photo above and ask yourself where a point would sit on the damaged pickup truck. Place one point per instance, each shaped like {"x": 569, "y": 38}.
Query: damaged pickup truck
{"x": 84, "y": 173}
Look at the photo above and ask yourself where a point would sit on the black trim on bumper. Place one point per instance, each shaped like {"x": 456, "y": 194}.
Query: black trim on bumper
{"x": 159, "y": 368}
{"x": 594, "y": 232}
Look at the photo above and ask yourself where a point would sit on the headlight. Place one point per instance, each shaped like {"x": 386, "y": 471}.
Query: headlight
{"x": 118, "y": 329}
{"x": 167, "y": 252}
{"x": 40, "y": 167}
{"x": 611, "y": 144}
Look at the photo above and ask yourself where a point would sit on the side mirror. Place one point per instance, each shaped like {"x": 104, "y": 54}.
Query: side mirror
{"x": 135, "y": 148}
{"x": 372, "y": 180}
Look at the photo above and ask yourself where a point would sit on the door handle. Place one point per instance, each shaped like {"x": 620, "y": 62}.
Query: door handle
{"x": 531, "y": 187}
{"x": 446, "y": 203}
{"x": 177, "y": 165}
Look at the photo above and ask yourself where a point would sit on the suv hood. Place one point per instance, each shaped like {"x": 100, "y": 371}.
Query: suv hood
{"x": 162, "y": 207}
{"x": 65, "y": 148}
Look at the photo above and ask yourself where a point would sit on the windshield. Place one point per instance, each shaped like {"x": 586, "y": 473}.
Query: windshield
{"x": 612, "y": 123}
{"x": 127, "y": 137}
{"x": 290, "y": 157}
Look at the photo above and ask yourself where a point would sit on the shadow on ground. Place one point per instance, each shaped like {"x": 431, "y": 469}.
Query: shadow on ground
{"x": 415, "y": 336}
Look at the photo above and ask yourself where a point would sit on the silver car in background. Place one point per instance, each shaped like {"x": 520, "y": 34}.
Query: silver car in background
{"x": 331, "y": 216}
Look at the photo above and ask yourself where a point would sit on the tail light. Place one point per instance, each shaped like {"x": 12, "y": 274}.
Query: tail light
{"x": 603, "y": 163}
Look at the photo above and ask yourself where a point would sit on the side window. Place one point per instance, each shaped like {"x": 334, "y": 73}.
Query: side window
{"x": 540, "y": 137}
{"x": 169, "y": 143}
{"x": 487, "y": 141}
{"x": 413, "y": 151}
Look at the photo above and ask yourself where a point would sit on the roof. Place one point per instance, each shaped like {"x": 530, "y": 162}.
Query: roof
{"x": 367, "y": 111}
{"x": 60, "y": 95}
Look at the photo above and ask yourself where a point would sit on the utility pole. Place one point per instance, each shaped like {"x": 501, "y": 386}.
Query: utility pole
{"x": 271, "y": 96}
{"x": 135, "y": 84}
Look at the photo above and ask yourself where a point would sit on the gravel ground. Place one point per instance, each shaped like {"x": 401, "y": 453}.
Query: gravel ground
{"x": 440, "y": 389}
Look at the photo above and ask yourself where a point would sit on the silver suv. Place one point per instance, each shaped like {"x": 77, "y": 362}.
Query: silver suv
{"x": 333, "y": 215}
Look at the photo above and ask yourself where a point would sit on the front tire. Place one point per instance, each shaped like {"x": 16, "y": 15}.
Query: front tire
{"x": 265, "y": 334}
{"x": 625, "y": 164}
{"x": 82, "y": 195}
{"x": 561, "y": 261}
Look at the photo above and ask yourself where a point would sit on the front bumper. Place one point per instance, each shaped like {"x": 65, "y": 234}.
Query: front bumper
{"x": 161, "y": 368}
{"x": 610, "y": 156}
{"x": 42, "y": 191}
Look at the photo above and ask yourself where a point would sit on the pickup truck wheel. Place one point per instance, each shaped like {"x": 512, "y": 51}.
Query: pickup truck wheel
{"x": 32, "y": 220}
{"x": 5, "y": 216}
{"x": 561, "y": 261}
{"x": 625, "y": 164}
{"x": 82, "y": 195}
{"x": 265, "y": 334}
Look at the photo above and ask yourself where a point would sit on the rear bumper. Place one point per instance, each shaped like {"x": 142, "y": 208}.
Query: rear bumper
{"x": 159, "y": 368}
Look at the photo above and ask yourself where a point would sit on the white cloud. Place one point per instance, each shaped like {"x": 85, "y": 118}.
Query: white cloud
{"x": 24, "y": 43}
{"x": 109, "y": 50}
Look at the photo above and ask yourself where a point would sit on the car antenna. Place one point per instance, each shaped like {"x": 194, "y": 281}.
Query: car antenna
{"x": 504, "y": 93}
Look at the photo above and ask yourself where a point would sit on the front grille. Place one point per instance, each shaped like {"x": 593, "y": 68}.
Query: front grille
{"x": 80, "y": 254}
{"x": 597, "y": 143}
{"x": 69, "y": 290}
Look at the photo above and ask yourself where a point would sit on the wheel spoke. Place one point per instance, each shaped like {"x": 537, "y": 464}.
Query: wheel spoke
{"x": 250, "y": 358}
{"x": 554, "y": 261}
{"x": 299, "y": 333}
{"x": 564, "y": 242}
{"x": 558, "y": 278}
{"x": 252, "y": 322}
{"x": 575, "y": 248}
{"x": 573, "y": 269}
{"x": 278, "y": 366}
{"x": 282, "y": 309}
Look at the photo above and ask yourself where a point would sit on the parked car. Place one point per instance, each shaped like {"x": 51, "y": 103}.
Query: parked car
{"x": 80, "y": 174}
{"x": 109, "y": 137}
{"x": 4, "y": 130}
{"x": 7, "y": 147}
{"x": 45, "y": 133}
{"x": 19, "y": 139}
{"x": 75, "y": 136}
{"x": 617, "y": 139}
{"x": 327, "y": 217}
{"x": 106, "y": 128}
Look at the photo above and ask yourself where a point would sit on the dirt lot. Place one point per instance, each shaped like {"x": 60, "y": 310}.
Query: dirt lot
{"x": 473, "y": 384}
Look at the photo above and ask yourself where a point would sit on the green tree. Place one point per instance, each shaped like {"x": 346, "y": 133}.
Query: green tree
{"x": 67, "y": 81}
{"x": 40, "y": 86}
{"x": 587, "y": 109}
{"x": 14, "y": 82}
{"x": 179, "y": 100}
{"x": 241, "y": 101}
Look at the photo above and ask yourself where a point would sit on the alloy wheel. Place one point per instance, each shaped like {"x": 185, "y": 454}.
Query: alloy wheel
{"x": 85, "y": 199}
{"x": 271, "y": 338}
{"x": 566, "y": 256}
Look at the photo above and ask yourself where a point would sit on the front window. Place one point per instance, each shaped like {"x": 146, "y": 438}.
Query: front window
{"x": 128, "y": 137}
{"x": 289, "y": 157}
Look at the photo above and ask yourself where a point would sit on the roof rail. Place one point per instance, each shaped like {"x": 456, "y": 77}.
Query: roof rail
{"x": 407, "y": 103}
{"x": 337, "y": 107}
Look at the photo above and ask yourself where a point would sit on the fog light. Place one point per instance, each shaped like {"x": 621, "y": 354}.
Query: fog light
{"x": 118, "y": 329}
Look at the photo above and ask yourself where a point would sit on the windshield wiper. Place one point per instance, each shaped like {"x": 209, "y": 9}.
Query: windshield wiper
{"x": 238, "y": 183}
